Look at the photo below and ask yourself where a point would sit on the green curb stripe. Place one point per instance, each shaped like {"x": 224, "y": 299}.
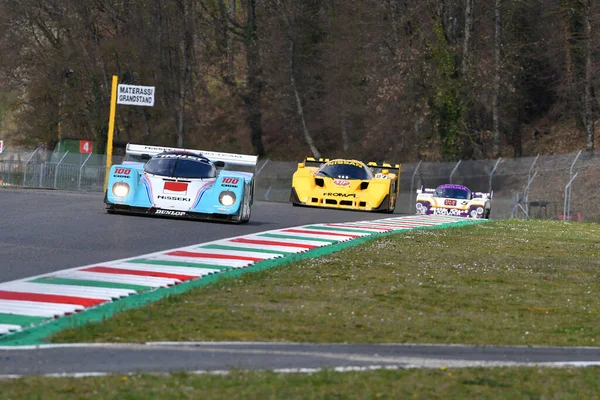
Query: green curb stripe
{"x": 22, "y": 320}
{"x": 271, "y": 235}
{"x": 38, "y": 334}
{"x": 257, "y": 250}
{"x": 82, "y": 282}
{"x": 349, "y": 230}
{"x": 177, "y": 264}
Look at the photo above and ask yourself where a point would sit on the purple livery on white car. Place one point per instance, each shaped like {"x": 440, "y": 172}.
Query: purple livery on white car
{"x": 453, "y": 200}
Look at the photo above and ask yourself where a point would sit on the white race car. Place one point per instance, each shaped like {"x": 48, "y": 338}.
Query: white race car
{"x": 454, "y": 200}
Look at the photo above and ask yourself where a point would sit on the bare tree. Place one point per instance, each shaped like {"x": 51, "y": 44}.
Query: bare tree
{"x": 588, "y": 116}
{"x": 496, "y": 94}
{"x": 254, "y": 85}
{"x": 467, "y": 36}
{"x": 292, "y": 39}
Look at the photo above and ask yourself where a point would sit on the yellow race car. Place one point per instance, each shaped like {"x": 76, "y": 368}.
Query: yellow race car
{"x": 346, "y": 184}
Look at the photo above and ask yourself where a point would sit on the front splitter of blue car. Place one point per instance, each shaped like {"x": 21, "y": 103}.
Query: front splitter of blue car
{"x": 158, "y": 212}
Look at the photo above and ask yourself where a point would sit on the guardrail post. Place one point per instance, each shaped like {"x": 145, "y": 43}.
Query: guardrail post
{"x": 454, "y": 170}
{"x": 412, "y": 182}
{"x": 529, "y": 181}
{"x": 80, "y": 169}
{"x": 57, "y": 166}
{"x": 566, "y": 210}
{"x": 526, "y": 195}
{"x": 570, "y": 187}
{"x": 262, "y": 167}
{"x": 41, "y": 175}
{"x": 25, "y": 167}
{"x": 532, "y": 166}
{"x": 492, "y": 174}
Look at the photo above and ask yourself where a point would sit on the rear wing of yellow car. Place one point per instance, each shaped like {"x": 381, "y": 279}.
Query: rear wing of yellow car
{"x": 229, "y": 158}
{"x": 313, "y": 162}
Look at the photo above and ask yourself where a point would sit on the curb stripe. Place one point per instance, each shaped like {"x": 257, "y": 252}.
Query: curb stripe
{"x": 309, "y": 232}
{"x": 233, "y": 248}
{"x": 209, "y": 255}
{"x": 288, "y": 251}
{"x": 365, "y": 228}
{"x": 207, "y": 267}
{"x": 239, "y": 252}
{"x": 23, "y": 320}
{"x": 9, "y": 327}
{"x": 295, "y": 239}
{"x": 355, "y": 231}
{"x": 136, "y": 280}
{"x": 37, "y": 309}
{"x": 312, "y": 239}
{"x": 390, "y": 227}
{"x": 49, "y": 298}
{"x": 191, "y": 271}
{"x": 68, "y": 290}
{"x": 91, "y": 283}
{"x": 272, "y": 243}
{"x": 221, "y": 264}
{"x": 401, "y": 221}
{"x": 123, "y": 271}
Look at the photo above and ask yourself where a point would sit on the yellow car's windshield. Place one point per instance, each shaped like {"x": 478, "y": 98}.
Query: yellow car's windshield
{"x": 345, "y": 170}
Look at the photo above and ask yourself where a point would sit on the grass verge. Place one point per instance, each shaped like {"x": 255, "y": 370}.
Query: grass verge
{"x": 471, "y": 383}
{"x": 506, "y": 282}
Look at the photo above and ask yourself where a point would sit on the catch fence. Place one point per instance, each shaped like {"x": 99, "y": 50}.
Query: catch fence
{"x": 559, "y": 186}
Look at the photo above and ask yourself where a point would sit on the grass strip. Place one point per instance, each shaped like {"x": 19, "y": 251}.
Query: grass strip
{"x": 443, "y": 383}
{"x": 504, "y": 282}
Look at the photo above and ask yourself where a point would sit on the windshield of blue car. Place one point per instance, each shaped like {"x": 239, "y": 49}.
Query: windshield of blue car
{"x": 191, "y": 168}
{"x": 345, "y": 170}
{"x": 453, "y": 193}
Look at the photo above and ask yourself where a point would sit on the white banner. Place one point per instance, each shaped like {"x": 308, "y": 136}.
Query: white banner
{"x": 1, "y": 146}
{"x": 135, "y": 95}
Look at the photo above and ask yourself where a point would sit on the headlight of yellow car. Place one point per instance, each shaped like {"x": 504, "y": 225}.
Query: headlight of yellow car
{"x": 227, "y": 198}
{"x": 120, "y": 189}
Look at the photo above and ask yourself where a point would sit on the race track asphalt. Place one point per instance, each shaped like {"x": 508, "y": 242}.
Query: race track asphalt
{"x": 42, "y": 231}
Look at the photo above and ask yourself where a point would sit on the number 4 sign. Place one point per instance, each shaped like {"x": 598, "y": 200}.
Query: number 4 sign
{"x": 86, "y": 146}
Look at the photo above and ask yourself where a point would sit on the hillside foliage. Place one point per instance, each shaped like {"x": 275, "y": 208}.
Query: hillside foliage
{"x": 377, "y": 79}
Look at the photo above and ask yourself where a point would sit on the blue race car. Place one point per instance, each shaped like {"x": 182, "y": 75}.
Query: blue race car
{"x": 182, "y": 183}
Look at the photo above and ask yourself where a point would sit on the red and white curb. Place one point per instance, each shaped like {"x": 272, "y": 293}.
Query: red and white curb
{"x": 35, "y": 300}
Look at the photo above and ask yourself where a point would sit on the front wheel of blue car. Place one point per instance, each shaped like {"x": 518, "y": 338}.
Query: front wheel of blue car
{"x": 243, "y": 214}
{"x": 109, "y": 207}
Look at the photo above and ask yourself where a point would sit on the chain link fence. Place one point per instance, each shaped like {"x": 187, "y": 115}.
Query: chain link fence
{"x": 559, "y": 186}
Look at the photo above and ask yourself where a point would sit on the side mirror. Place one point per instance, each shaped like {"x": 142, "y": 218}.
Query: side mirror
{"x": 300, "y": 165}
{"x": 219, "y": 164}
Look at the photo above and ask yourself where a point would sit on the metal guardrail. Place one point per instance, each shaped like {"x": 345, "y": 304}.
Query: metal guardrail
{"x": 546, "y": 180}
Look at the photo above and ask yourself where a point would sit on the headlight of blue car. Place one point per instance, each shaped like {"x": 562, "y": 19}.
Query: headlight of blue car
{"x": 120, "y": 189}
{"x": 227, "y": 198}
